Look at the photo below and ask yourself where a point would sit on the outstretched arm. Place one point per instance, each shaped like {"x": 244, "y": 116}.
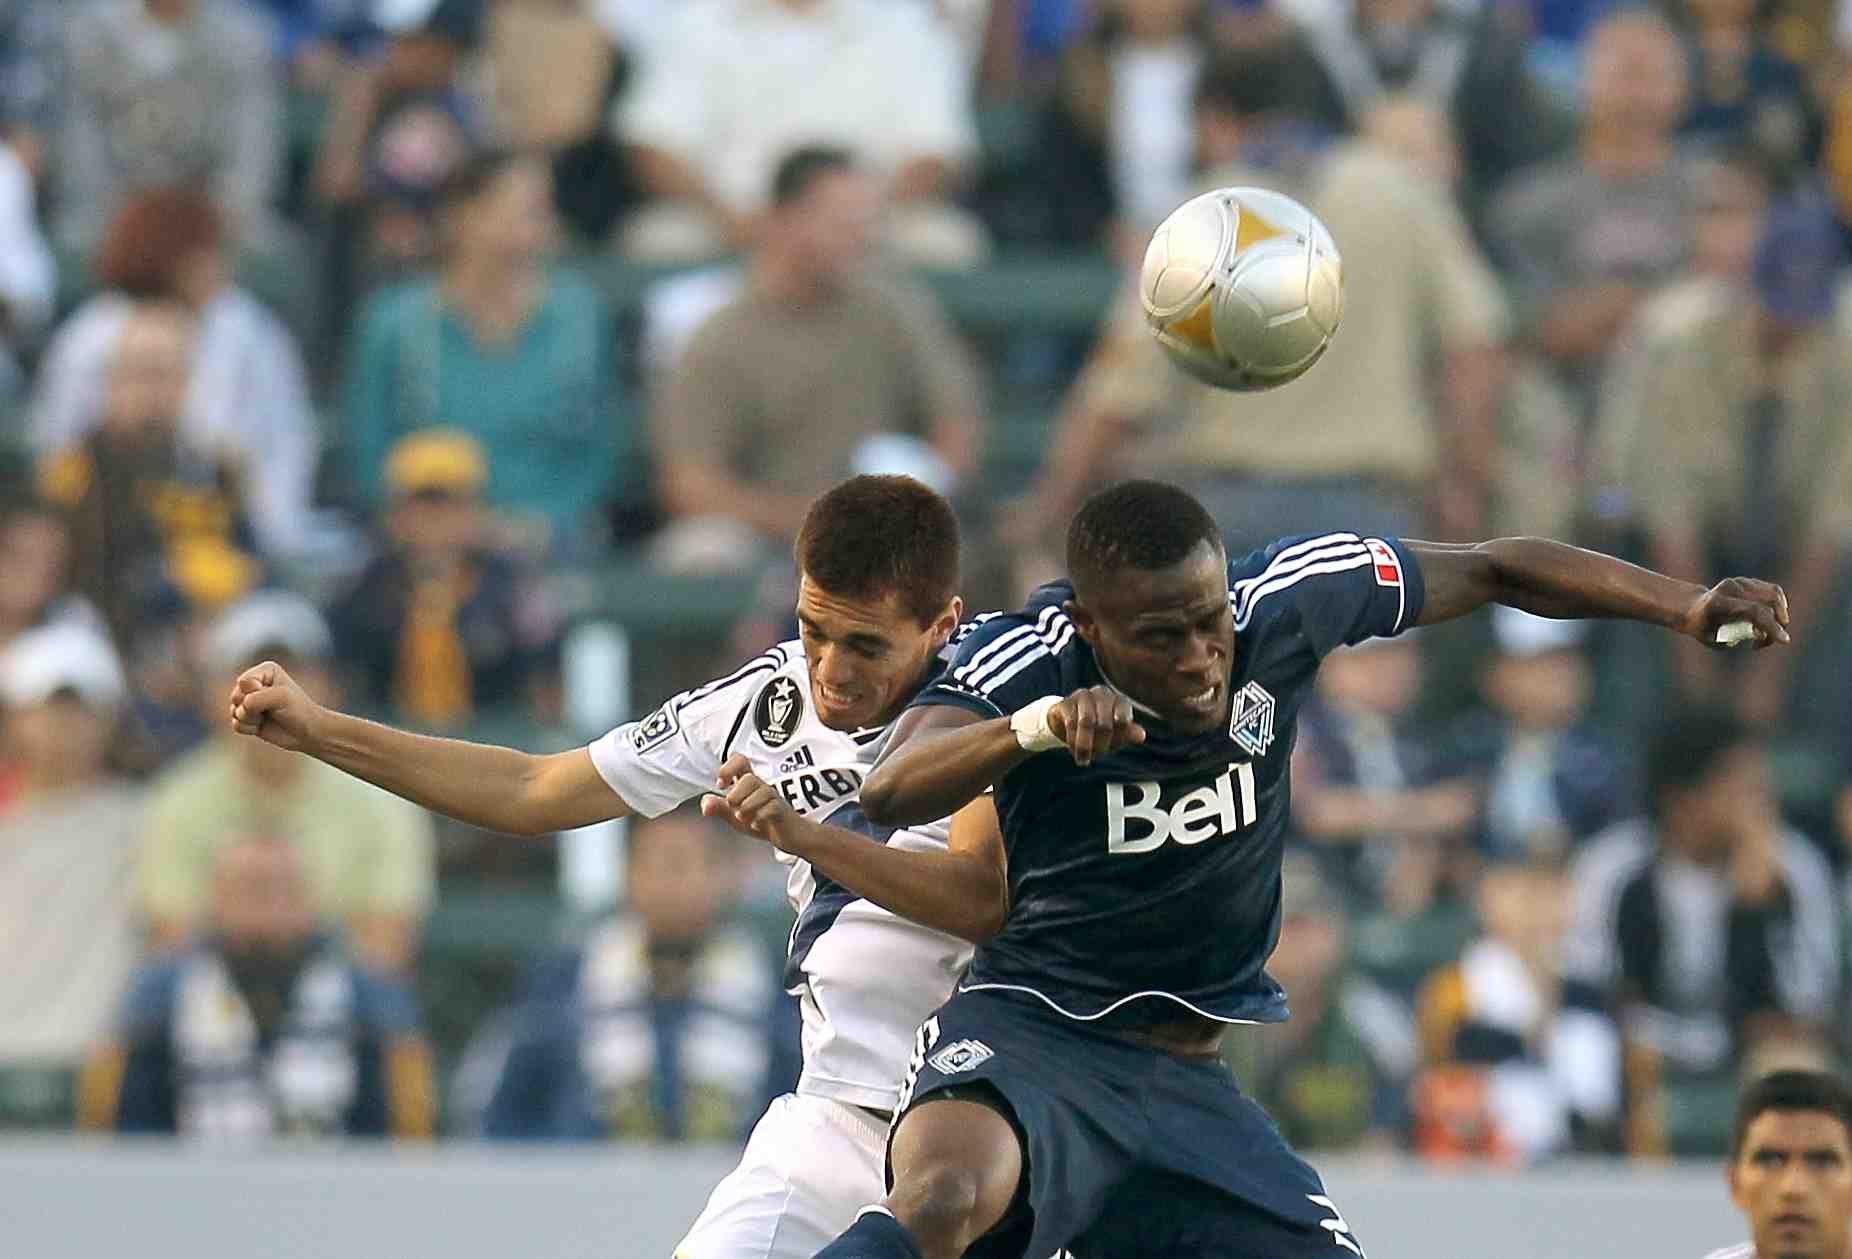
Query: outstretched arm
{"x": 1557, "y": 580}
{"x": 943, "y": 757}
{"x": 498, "y": 789}
{"x": 962, "y": 890}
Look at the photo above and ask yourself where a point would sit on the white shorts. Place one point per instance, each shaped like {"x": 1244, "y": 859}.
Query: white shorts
{"x": 809, "y": 1167}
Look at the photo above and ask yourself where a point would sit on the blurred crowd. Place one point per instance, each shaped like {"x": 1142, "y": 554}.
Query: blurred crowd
{"x": 371, "y": 335}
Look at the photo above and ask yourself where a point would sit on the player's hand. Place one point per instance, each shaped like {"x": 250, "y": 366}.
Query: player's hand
{"x": 1761, "y": 603}
{"x": 268, "y": 704}
{"x": 1094, "y": 723}
{"x": 753, "y": 807}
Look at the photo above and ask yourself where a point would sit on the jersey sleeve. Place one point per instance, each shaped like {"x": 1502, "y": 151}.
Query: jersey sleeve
{"x": 673, "y": 754}
{"x": 1003, "y": 663}
{"x": 1340, "y": 588}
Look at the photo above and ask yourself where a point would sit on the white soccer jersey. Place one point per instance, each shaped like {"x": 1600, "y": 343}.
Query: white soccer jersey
{"x": 866, "y": 979}
{"x": 1747, "y": 1250}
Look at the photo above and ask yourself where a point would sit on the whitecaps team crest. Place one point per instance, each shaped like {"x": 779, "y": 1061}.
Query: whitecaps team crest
{"x": 961, "y": 1055}
{"x": 1251, "y": 723}
{"x": 776, "y": 714}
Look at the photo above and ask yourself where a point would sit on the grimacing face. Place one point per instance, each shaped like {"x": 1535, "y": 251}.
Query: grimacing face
{"x": 1793, "y": 1179}
{"x": 1166, "y": 637}
{"x": 866, "y": 657}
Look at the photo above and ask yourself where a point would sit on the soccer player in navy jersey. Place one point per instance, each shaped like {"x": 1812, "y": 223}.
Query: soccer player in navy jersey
{"x": 1135, "y": 725}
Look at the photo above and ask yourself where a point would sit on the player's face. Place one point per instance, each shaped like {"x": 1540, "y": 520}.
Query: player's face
{"x": 867, "y": 658}
{"x": 1167, "y": 636}
{"x": 1793, "y": 1180}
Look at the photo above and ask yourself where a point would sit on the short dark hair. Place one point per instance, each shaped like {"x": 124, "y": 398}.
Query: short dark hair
{"x": 877, "y": 535}
{"x": 1135, "y": 524}
{"x": 1687, "y": 744}
{"x": 802, "y": 168}
{"x": 1787, "y": 1091}
{"x": 152, "y": 235}
{"x": 1247, "y": 82}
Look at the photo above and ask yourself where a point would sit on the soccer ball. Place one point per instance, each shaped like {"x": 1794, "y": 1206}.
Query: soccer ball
{"x": 1243, "y": 288}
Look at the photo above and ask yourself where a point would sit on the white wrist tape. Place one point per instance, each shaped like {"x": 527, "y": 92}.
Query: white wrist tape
{"x": 1030, "y": 722}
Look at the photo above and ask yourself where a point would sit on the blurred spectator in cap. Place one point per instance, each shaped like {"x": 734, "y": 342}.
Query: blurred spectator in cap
{"x": 368, "y": 856}
{"x": 403, "y": 125}
{"x": 442, "y": 624}
{"x": 266, "y": 1026}
{"x": 68, "y": 836}
{"x": 503, "y": 346}
{"x": 758, "y": 416}
{"x": 1334, "y": 1076}
{"x": 144, "y": 503}
{"x": 1587, "y": 237}
{"x": 1551, "y": 779}
{"x": 1741, "y": 422}
{"x": 1518, "y": 1064}
{"x": 653, "y": 1029}
{"x": 246, "y": 400}
{"x": 706, "y": 146}
{"x": 167, "y": 92}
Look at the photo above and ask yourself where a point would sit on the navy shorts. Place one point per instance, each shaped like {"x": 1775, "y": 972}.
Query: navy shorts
{"x": 1132, "y": 1153}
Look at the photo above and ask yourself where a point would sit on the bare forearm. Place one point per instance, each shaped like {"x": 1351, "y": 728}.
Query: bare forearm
{"x": 946, "y": 891}
{"x": 668, "y": 177}
{"x": 689, "y": 490}
{"x": 476, "y": 783}
{"x": 937, "y": 773}
{"x": 1550, "y": 579}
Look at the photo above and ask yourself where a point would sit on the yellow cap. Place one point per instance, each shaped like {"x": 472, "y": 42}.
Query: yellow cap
{"x": 437, "y": 459}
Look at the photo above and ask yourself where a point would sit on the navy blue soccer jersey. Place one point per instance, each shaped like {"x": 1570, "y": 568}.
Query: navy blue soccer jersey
{"x": 1155, "y": 872}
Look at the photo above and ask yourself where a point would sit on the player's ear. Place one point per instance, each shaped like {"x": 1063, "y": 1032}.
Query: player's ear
{"x": 1736, "y": 1188}
{"x": 1084, "y": 623}
{"x": 947, "y": 622}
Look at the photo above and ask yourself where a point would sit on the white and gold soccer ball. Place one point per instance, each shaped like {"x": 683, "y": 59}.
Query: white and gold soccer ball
{"x": 1243, "y": 288}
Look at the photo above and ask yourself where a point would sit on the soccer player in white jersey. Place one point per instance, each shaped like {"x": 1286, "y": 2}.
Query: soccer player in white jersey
{"x": 1790, "y": 1167}
{"x": 877, "y": 562}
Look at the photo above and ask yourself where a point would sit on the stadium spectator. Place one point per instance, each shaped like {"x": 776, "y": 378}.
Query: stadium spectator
{"x": 1550, "y": 777}
{"x": 442, "y": 624}
{"x": 1709, "y": 925}
{"x": 1742, "y": 457}
{"x": 264, "y": 1027}
{"x": 35, "y": 569}
{"x": 148, "y": 511}
{"x": 654, "y": 1028}
{"x": 1587, "y": 237}
{"x": 1335, "y": 1075}
{"x": 1367, "y": 794}
{"x": 519, "y": 355}
{"x": 31, "y": 70}
{"x": 1742, "y": 86}
{"x": 166, "y": 92}
{"x": 368, "y": 857}
{"x": 1467, "y": 61}
{"x": 777, "y": 394}
{"x": 28, "y": 276}
{"x": 884, "y": 81}
{"x": 557, "y": 67}
{"x": 68, "y": 835}
{"x": 402, "y": 124}
{"x": 1518, "y": 1065}
{"x": 1360, "y": 443}
{"x": 247, "y": 400}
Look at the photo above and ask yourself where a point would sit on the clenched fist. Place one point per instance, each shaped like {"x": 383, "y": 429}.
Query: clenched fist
{"x": 268, "y": 704}
{"x": 753, "y": 807}
{"x": 1095, "y": 723}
